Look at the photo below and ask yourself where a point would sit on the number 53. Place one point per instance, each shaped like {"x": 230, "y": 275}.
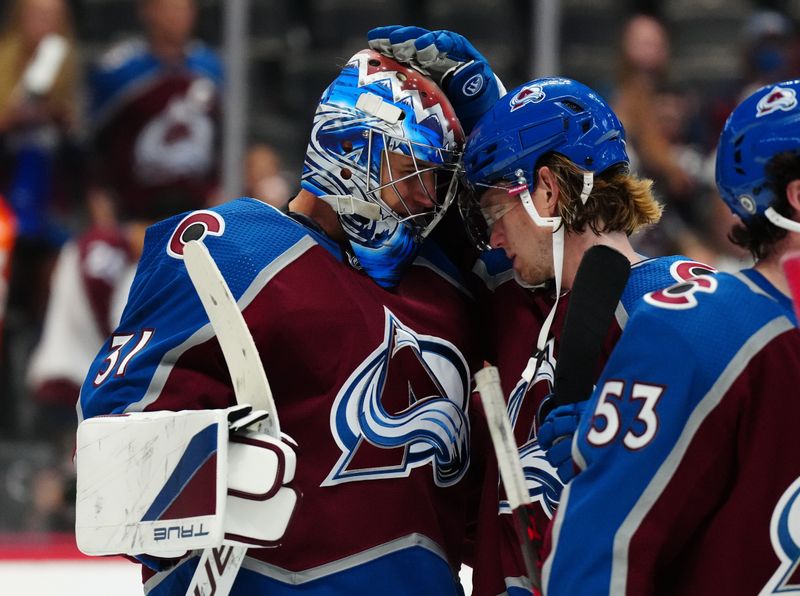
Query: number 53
{"x": 606, "y": 419}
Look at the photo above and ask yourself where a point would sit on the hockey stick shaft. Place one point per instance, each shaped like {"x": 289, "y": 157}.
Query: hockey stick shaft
{"x": 596, "y": 292}
{"x": 218, "y": 567}
{"x": 487, "y": 382}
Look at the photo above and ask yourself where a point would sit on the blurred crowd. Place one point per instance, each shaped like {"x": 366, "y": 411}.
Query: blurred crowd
{"x": 95, "y": 148}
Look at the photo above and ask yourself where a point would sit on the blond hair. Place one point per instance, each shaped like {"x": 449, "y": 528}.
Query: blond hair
{"x": 619, "y": 201}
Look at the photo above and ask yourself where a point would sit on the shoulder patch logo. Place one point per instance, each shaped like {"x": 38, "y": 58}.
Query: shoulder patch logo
{"x": 195, "y": 226}
{"x": 683, "y": 295}
{"x": 526, "y": 95}
{"x": 778, "y": 98}
{"x": 784, "y": 532}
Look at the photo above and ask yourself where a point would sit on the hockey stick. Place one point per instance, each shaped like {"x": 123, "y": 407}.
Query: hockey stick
{"x": 487, "y": 382}
{"x": 219, "y": 566}
{"x": 791, "y": 268}
{"x": 596, "y": 291}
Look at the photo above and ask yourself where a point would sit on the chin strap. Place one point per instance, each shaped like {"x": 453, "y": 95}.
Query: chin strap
{"x": 588, "y": 185}
{"x": 781, "y": 221}
{"x": 558, "y": 266}
{"x": 350, "y": 205}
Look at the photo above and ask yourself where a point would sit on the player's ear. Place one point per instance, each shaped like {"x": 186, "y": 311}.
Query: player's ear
{"x": 549, "y": 184}
{"x": 793, "y": 196}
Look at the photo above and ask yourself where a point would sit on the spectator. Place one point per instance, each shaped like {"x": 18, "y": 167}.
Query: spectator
{"x": 643, "y": 63}
{"x": 264, "y": 179}
{"x": 155, "y": 110}
{"x": 769, "y": 37}
{"x": 38, "y": 114}
{"x": 155, "y": 118}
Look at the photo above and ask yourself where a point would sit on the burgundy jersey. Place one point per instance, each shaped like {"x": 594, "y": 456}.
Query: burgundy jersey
{"x": 157, "y": 129}
{"x": 690, "y": 464}
{"x": 89, "y": 284}
{"x": 372, "y": 384}
{"x": 516, "y": 316}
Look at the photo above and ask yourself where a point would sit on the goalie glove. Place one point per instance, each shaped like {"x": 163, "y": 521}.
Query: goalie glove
{"x": 450, "y": 60}
{"x": 163, "y": 483}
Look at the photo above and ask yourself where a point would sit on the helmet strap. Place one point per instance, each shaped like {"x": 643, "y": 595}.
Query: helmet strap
{"x": 558, "y": 256}
{"x": 350, "y": 205}
{"x": 781, "y": 221}
{"x": 558, "y": 267}
{"x": 588, "y": 184}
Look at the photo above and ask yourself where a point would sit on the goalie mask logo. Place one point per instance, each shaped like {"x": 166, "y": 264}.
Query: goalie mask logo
{"x": 785, "y": 536}
{"x": 404, "y": 407}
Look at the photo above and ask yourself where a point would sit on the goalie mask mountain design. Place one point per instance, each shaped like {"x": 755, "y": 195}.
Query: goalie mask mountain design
{"x": 376, "y": 107}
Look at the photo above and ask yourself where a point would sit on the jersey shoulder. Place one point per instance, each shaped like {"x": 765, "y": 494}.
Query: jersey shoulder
{"x": 704, "y": 319}
{"x": 244, "y": 236}
{"x": 250, "y": 241}
{"x": 203, "y": 60}
{"x": 654, "y": 274}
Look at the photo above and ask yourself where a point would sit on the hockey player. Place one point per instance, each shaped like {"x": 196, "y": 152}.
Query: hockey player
{"x": 155, "y": 110}
{"x": 549, "y": 175}
{"x": 362, "y": 325}
{"x": 690, "y": 471}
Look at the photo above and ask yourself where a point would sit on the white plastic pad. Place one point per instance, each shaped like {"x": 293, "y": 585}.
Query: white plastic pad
{"x": 151, "y": 482}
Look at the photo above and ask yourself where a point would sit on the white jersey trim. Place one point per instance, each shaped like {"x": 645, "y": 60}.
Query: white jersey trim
{"x": 295, "y": 578}
{"x": 492, "y": 282}
{"x": 206, "y": 332}
{"x": 619, "y": 567}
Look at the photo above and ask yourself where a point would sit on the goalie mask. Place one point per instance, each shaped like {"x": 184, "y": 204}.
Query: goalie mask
{"x": 384, "y": 151}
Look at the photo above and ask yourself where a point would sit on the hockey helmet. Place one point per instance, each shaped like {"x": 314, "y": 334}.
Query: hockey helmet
{"x": 763, "y": 125}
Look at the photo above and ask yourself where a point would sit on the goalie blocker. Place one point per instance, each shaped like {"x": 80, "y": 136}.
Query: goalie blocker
{"x": 163, "y": 483}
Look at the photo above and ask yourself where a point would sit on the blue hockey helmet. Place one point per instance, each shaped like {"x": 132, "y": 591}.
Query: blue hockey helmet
{"x": 542, "y": 116}
{"x": 375, "y": 108}
{"x": 763, "y": 125}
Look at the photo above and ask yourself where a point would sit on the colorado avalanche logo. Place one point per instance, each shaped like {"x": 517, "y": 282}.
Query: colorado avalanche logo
{"x": 779, "y": 98}
{"x": 785, "y": 536}
{"x": 526, "y": 95}
{"x": 195, "y": 226}
{"x": 403, "y": 407}
{"x": 541, "y": 478}
{"x": 683, "y": 295}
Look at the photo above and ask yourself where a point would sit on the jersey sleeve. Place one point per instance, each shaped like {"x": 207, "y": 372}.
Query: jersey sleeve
{"x": 651, "y": 448}
{"x": 163, "y": 354}
{"x": 595, "y": 505}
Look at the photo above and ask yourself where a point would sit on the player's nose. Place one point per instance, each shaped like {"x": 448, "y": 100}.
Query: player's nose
{"x": 497, "y": 237}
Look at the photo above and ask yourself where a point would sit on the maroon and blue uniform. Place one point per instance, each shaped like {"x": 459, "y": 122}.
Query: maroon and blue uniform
{"x": 688, "y": 450}
{"x": 516, "y": 315}
{"x": 373, "y": 384}
{"x": 156, "y": 128}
